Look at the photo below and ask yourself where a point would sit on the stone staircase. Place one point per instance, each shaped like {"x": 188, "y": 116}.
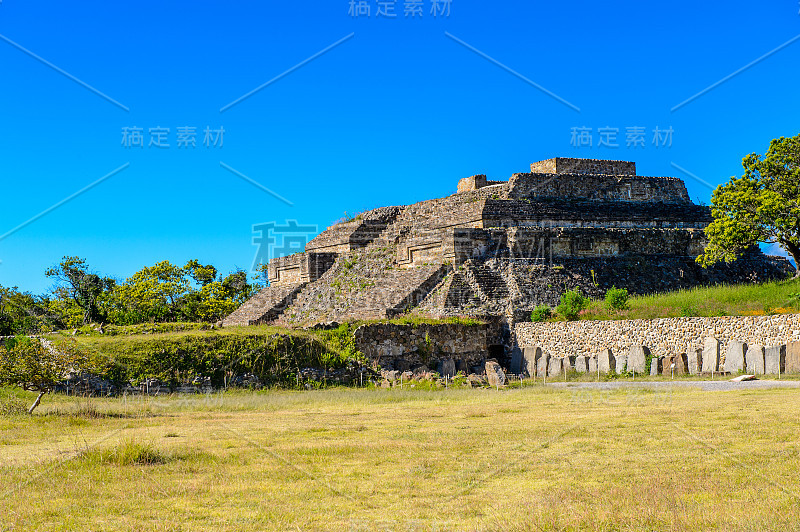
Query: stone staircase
{"x": 265, "y": 306}
{"x": 488, "y": 285}
{"x": 452, "y": 296}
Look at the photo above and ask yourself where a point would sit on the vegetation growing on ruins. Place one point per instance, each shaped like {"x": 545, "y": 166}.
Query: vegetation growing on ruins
{"x": 571, "y": 305}
{"x": 738, "y": 300}
{"x": 617, "y": 298}
{"x": 541, "y": 313}
{"x": 271, "y": 354}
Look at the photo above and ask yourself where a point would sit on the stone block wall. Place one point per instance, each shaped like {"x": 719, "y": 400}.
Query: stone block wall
{"x": 664, "y": 337}
{"x": 606, "y": 214}
{"x": 354, "y": 234}
{"x": 404, "y": 347}
{"x": 298, "y": 268}
{"x": 598, "y": 187}
{"x": 472, "y": 183}
{"x": 593, "y": 242}
{"x": 291, "y": 269}
{"x": 566, "y": 165}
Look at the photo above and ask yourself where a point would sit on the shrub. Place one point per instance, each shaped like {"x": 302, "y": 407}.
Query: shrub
{"x": 541, "y": 313}
{"x": 617, "y": 298}
{"x": 572, "y": 303}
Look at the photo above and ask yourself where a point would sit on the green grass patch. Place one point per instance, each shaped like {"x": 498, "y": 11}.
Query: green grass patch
{"x": 725, "y": 300}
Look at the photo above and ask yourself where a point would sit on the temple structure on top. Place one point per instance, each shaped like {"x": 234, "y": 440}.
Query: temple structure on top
{"x": 498, "y": 249}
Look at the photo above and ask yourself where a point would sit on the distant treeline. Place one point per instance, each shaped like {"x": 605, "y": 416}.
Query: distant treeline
{"x": 163, "y": 292}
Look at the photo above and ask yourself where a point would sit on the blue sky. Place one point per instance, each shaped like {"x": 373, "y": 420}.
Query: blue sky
{"x": 395, "y": 114}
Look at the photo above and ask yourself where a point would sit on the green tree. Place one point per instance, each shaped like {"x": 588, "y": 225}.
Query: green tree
{"x": 75, "y": 282}
{"x": 153, "y": 293}
{"x": 262, "y": 274}
{"x": 26, "y": 313}
{"x": 202, "y": 275}
{"x": 215, "y": 300}
{"x": 237, "y": 287}
{"x": 762, "y": 206}
{"x": 34, "y": 365}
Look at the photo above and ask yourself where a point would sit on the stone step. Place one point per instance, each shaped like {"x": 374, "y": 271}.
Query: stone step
{"x": 265, "y": 306}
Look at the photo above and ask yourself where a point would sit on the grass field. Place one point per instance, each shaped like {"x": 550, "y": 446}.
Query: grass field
{"x": 530, "y": 458}
{"x": 735, "y": 300}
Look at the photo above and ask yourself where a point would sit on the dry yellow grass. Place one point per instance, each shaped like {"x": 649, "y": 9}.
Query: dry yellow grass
{"x": 534, "y": 458}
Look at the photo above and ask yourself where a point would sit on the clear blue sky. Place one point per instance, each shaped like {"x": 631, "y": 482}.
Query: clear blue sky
{"x": 395, "y": 114}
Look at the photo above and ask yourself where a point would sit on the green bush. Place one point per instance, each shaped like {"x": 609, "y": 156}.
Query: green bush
{"x": 572, "y": 303}
{"x": 176, "y": 358}
{"x": 541, "y": 313}
{"x": 617, "y": 298}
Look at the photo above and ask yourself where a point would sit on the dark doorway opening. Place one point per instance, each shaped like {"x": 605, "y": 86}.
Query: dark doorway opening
{"x": 496, "y": 352}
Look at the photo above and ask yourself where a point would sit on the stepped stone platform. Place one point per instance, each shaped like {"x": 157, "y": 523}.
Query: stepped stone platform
{"x": 265, "y": 306}
{"x": 498, "y": 249}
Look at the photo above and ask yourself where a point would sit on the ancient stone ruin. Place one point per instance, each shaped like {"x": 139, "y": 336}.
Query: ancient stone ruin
{"x": 497, "y": 249}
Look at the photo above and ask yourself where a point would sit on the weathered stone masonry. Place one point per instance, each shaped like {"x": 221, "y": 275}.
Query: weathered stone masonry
{"x": 664, "y": 337}
{"x": 410, "y": 347}
{"x": 497, "y": 249}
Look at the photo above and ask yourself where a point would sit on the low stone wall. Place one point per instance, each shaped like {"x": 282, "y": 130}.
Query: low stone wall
{"x": 568, "y": 165}
{"x": 664, "y": 337}
{"x": 406, "y": 347}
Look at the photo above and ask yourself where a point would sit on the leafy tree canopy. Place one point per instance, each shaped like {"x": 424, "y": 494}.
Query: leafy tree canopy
{"x": 34, "y": 365}
{"x": 762, "y": 206}
{"x": 76, "y": 282}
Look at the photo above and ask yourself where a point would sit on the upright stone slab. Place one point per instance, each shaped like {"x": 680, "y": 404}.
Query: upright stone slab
{"x": 637, "y": 358}
{"x": 754, "y": 360}
{"x": 655, "y": 365}
{"x": 674, "y": 365}
{"x": 447, "y": 367}
{"x": 682, "y": 364}
{"x": 516, "y": 361}
{"x": 541, "y": 365}
{"x": 694, "y": 361}
{"x": 568, "y": 363}
{"x": 666, "y": 362}
{"x": 530, "y": 355}
{"x": 621, "y": 362}
{"x": 606, "y": 361}
{"x": 775, "y": 360}
{"x": 710, "y": 355}
{"x": 592, "y": 362}
{"x": 734, "y": 356}
{"x": 581, "y": 364}
{"x": 793, "y": 358}
{"x": 495, "y": 375}
{"x": 555, "y": 367}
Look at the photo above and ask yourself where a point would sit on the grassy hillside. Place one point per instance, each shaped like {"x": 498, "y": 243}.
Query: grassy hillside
{"x": 186, "y": 351}
{"x": 738, "y": 300}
